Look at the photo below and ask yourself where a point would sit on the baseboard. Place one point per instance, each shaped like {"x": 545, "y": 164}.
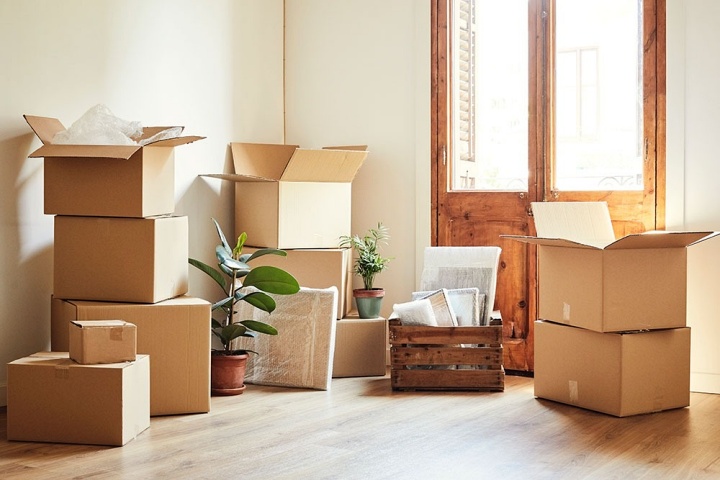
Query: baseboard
{"x": 704, "y": 382}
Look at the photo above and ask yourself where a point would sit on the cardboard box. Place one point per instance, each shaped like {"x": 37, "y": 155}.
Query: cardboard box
{"x": 619, "y": 374}
{"x": 360, "y": 348}
{"x": 120, "y": 259}
{"x": 107, "y": 180}
{"x": 176, "y": 335}
{"x": 288, "y": 197}
{"x": 588, "y": 279}
{"x": 53, "y": 399}
{"x": 317, "y": 268}
{"x": 102, "y": 341}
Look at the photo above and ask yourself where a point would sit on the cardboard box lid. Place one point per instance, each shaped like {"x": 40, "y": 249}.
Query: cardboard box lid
{"x": 45, "y": 128}
{"x": 587, "y": 225}
{"x": 258, "y": 162}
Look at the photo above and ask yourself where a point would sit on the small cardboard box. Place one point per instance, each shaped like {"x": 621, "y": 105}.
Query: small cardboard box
{"x": 360, "y": 347}
{"x": 588, "y": 279}
{"x": 176, "y": 335}
{"x": 53, "y": 399}
{"x": 619, "y": 374}
{"x": 107, "y": 180}
{"x": 316, "y": 268}
{"x": 289, "y": 197}
{"x": 120, "y": 259}
{"x": 102, "y": 341}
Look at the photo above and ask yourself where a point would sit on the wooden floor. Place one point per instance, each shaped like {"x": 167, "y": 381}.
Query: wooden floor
{"x": 362, "y": 430}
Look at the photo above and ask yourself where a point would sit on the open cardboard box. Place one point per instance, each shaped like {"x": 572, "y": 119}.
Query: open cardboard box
{"x": 107, "y": 180}
{"x": 291, "y": 197}
{"x": 589, "y": 279}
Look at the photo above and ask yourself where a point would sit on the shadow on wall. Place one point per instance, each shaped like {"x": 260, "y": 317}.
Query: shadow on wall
{"x": 206, "y": 198}
{"x": 26, "y": 239}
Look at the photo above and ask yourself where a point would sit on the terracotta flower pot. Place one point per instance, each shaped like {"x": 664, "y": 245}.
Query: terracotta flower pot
{"x": 227, "y": 374}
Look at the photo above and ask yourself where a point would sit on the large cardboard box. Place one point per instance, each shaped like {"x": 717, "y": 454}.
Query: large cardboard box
{"x": 317, "y": 268}
{"x": 289, "y": 197}
{"x": 107, "y": 180}
{"x": 102, "y": 341}
{"x": 120, "y": 259}
{"x": 176, "y": 335}
{"x": 51, "y": 398}
{"x": 589, "y": 279}
{"x": 619, "y": 374}
{"x": 360, "y": 347}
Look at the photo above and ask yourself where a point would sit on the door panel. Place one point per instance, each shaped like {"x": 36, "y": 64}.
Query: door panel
{"x": 465, "y": 215}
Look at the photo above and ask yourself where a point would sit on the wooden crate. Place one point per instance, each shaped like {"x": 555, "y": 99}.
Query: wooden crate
{"x": 474, "y": 356}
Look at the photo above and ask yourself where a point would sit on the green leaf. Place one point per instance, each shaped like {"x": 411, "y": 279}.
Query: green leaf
{"x": 226, "y": 260}
{"x": 260, "y": 327}
{"x": 263, "y": 251}
{"x": 231, "y": 332}
{"x": 210, "y": 271}
{"x": 242, "y": 238}
{"x": 259, "y": 300}
{"x": 272, "y": 280}
{"x": 220, "y": 233}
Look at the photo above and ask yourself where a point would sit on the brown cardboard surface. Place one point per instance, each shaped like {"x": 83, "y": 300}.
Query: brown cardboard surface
{"x": 589, "y": 280}
{"x": 288, "y": 197}
{"x": 316, "y": 268}
{"x": 176, "y": 335}
{"x": 619, "y": 374}
{"x": 107, "y": 180}
{"x": 120, "y": 259}
{"x": 102, "y": 341}
{"x": 53, "y": 399}
{"x": 360, "y": 347}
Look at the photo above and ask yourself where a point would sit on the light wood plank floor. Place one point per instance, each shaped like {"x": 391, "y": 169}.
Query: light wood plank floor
{"x": 362, "y": 430}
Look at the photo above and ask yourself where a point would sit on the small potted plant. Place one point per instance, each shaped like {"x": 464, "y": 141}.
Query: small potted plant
{"x": 368, "y": 263}
{"x": 227, "y": 370}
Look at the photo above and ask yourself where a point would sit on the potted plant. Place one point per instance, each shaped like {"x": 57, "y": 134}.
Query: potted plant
{"x": 368, "y": 263}
{"x": 227, "y": 365}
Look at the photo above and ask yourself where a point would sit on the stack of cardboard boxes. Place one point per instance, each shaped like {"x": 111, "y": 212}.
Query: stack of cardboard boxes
{"x": 299, "y": 200}
{"x": 612, "y": 334}
{"x": 120, "y": 254}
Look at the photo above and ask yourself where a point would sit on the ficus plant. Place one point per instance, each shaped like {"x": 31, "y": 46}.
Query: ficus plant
{"x": 232, "y": 274}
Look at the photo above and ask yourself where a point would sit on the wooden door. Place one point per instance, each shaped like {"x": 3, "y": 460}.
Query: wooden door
{"x": 469, "y": 210}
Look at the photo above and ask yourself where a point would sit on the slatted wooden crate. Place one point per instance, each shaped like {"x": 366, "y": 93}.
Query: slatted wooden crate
{"x": 446, "y": 358}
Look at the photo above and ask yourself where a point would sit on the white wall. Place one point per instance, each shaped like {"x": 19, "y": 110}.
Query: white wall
{"x": 358, "y": 72}
{"x": 214, "y": 67}
{"x": 693, "y": 63}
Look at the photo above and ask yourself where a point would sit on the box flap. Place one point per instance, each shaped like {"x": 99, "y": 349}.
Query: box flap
{"x": 44, "y": 127}
{"x": 586, "y": 223}
{"x": 272, "y": 162}
{"x": 659, "y": 239}
{"x": 122, "y": 152}
{"x": 324, "y": 165}
{"x": 550, "y": 242}
{"x": 261, "y": 161}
